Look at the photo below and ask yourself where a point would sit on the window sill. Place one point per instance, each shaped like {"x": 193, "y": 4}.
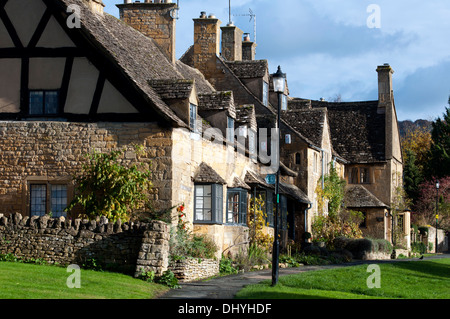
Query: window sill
{"x": 205, "y": 222}
{"x": 236, "y": 225}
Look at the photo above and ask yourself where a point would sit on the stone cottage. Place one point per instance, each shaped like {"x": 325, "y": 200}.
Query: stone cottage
{"x": 75, "y": 79}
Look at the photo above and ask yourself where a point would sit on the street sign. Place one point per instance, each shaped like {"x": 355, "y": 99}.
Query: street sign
{"x": 271, "y": 179}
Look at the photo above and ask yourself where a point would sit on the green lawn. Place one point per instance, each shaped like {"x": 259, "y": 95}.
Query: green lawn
{"x": 427, "y": 279}
{"x": 30, "y": 281}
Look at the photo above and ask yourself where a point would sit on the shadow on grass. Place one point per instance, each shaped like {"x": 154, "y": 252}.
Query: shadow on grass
{"x": 428, "y": 269}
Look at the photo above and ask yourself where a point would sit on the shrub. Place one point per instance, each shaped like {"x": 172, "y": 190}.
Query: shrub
{"x": 359, "y": 247}
{"x": 226, "y": 266}
{"x": 255, "y": 256}
{"x": 419, "y": 247}
{"x": 185, "y": 244}
{"x": 168, "y": 279}
{"x": 108, "y": 188}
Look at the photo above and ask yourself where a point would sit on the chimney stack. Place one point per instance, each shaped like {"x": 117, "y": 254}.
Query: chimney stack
{"x": 206, "y": 43}
{"x": 95, "y": 6}
{"x": 248, "y": 48}
{"x": 232, "y": 43}
{"x": 155, "y": 19}
{"x": 385, "y": 89}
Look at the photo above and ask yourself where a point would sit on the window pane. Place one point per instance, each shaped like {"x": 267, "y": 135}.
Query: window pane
{"x": 51, "y": 102}
{"x": 233, "y": 207}
{"x": 193, "y": 116}
{"x": 36, "y": 102}
{"x": 265, "y": 93}
{"x": 230, "y": 129}
{"x": 38, "y": 200}
{"x": 203, "y": 202}
{"x": 58, "y": 200}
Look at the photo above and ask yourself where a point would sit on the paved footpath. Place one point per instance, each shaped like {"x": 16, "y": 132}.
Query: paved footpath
{"x": 227, "y": 287}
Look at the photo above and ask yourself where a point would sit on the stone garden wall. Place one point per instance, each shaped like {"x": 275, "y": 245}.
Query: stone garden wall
{"x": 129, "y": 247}
{"x": 191, "y": 269}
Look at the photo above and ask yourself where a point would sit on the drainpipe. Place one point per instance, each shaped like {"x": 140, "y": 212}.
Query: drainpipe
{"x": 306, "y": 216}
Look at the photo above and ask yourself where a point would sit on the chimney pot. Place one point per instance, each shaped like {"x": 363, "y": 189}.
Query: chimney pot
{"x": 212, "y": 16}
{"x": 203, "y": 15}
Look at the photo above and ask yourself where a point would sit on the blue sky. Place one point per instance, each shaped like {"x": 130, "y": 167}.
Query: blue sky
{"x": 327, "y": 48}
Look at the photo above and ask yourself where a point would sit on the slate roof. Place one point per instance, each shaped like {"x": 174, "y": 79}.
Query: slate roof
{"x": 202, "y": 85}
{"x": 245, "y": 115}
{"x": 238, "y": 183}
{"x": 307, "y": 121}
{"x": 357, "y": 196}
{"x": 357, "y": 130}
{"x": 172, "y": 89}
{"x": 206, "y": 174}
{"x": 249, "y": 69}
{"x": 294, "y": 192}
{"x": 216, "y": 101}
{"x": 252, "y": 178}
{"x": 134, "y": 55}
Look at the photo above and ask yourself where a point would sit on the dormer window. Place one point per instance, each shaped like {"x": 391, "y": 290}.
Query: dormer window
{"x": 265, "y": 93}
{"x": 193, "y": 117}
{"x": 44, "y": 102}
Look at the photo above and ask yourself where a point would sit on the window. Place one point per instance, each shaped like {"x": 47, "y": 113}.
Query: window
{"x": 353, "y": 178}
{"x": 284, "y": 102}
{"x": 44, "y": 102}
{"x": 193, "y": 117}
{"x": 364, "y": 175}
{"x": 359, "y": 175}
{"x": 230, "y": 129}
{"x": 298, "y": 159}
{"x": 237, "y": 206}
{"x": 252, "y": 141}
{"x": 208, "y": 203}
{"x": 363, "y": 224}
{"x": 265, "y": 93}
{"x": 48, "y": 198}
{"x": 401, "y": 223}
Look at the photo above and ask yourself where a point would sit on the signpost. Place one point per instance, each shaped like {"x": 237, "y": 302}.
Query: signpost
{"x": 271, "y": 179}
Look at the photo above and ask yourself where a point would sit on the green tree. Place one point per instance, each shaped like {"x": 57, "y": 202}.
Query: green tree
{"x": 333, "y": 191}
{"x": 339, "y": 221}
{"x": 413, "y": 176}
{"x": 108, "y": 188}
{"x": 439, "y": 163}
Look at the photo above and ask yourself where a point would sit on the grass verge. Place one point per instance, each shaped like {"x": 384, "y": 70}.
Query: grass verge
{"x": 30, "y": 281}
{"x": 429, "y": 279}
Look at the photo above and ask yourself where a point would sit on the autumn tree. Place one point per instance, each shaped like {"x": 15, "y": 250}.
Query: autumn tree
{"x": 417, "y": 141}
{"x": 425, "y": 212}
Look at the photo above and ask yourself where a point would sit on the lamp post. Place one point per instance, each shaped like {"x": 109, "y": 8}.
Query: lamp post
{"x": 279, "y": 86}
{"x": 437, "y": 214}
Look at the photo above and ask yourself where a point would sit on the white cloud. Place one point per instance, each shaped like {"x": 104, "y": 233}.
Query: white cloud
{"x": 326, "y": 48}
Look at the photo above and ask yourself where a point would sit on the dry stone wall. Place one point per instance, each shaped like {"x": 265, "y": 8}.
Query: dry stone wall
{"x": 192, "y": 269}
{"x": 126, "y": 247}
